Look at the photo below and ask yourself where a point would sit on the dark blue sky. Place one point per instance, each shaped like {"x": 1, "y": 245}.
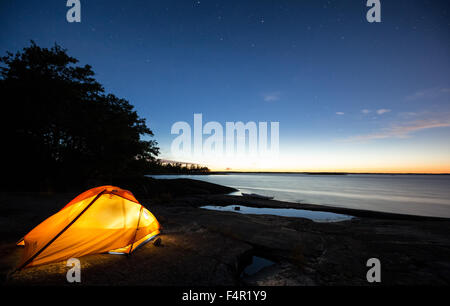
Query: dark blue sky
{"x": 349, "y": 95}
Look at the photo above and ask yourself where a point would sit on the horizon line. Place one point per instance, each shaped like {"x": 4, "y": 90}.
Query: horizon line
{"x": 329, "y": 172}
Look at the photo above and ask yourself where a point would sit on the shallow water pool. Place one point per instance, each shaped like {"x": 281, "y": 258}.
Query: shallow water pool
{"x": 255, "y": 265}
{"x": 317, "y": 216}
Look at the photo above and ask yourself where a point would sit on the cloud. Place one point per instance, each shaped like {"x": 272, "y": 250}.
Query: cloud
{"x": 270, "y": 97}
{"x": 340, "y": 113}
{"x": 366, "y": 111}
{"x": 383, "y": 111}
{"x": 416, "y": 95}
{"x": 409, "y": 114}
{"x": 428, "y": 93}
{"x": 402, "y": 130}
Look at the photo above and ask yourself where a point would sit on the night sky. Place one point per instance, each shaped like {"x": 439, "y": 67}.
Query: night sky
{"x": 349, "y": 95}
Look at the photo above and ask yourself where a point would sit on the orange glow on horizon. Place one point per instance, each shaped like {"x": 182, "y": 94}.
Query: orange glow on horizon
{"x": 399, "y": 170}
{"x": 341, "y": 159}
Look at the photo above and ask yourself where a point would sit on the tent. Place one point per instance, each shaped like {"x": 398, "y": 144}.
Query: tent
{"x": 102, "y": 219}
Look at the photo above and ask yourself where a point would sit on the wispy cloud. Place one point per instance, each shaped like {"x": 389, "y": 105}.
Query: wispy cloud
{"x": 401, "y": 130}
{"x": 270, "y": 97}
{"x": 408, "y": 114}
{"x": 340, "y": 113}
{"x": 428, "y": 93}
{"x": 366, "y": 111}
{"x": 383, "y": 111}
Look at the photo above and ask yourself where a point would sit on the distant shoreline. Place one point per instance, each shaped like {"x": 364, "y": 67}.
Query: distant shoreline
{"x": 287, "y": 172}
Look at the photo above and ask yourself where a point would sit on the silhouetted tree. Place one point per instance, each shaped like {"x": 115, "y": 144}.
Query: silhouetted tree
{"x": 59, "y": 126}
{"x": 157, "y": 167}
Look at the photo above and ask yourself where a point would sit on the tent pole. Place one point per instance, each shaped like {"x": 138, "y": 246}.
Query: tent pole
{"x": 60, "y": 233}
{"x": 137, "y": 227}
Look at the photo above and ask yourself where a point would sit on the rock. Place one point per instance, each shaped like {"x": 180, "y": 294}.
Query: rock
{"x": 205, "y": 247}
{"x": 157, "y": 242}
{"x": 282, "y": 274}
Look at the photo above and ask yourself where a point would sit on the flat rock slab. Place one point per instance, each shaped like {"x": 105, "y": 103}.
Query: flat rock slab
{"x": 204, "y": 247}
{"x": 187, "y": 256}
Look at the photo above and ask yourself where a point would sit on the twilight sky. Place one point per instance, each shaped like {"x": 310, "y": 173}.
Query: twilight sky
{"x": 349, "y": 95}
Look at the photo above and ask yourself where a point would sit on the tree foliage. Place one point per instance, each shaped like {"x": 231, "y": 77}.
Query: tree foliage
{"x": 59, "y": 126}
{"x": 158, "y": 167}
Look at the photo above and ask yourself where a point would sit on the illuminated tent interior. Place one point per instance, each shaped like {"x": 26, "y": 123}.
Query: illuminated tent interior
{"x": 102, "y": 219}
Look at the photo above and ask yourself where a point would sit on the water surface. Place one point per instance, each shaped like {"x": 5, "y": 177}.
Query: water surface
{"x": 317, "y": 216}
{"x": 256, "y": 264}
{"x": 427, "y": 195}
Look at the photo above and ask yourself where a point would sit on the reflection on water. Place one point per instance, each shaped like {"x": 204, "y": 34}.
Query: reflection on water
{"x": 317, "y": 216}
{"x": 427, "y": 195}
{"x": 256, "y": 264}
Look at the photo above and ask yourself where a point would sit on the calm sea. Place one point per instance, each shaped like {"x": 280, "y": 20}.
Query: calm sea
{"x": 427, "y": 195}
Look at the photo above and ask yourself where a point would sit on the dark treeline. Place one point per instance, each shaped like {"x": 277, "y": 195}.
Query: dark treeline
{"x": 60, "y": 130}
{"x": 177, "y": 168}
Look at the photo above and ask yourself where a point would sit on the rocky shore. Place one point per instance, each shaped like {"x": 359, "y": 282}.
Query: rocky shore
{"x": 205, "y": 247}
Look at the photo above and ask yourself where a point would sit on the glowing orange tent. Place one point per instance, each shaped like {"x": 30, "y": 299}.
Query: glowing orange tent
{"x": 102, "y": 219}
